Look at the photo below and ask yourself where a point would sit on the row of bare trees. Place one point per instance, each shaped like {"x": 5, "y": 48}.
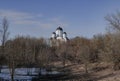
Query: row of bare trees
{"x": 25, "y": 52}
{"x": 22, "y": 51}
{"x": 33, "y": 52}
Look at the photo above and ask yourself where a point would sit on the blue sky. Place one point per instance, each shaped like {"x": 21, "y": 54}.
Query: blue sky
{"x": 39, "y": 18}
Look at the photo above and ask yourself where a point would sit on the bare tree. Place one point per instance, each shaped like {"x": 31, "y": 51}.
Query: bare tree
{"x": 13, "y": 51}
{"x": 84, "y": 55}
{"x": 29, "y": 55}
{"x": 111, "y": 52}
{"x": 112, "y": 44}
{"x": 114, "y": 20}
{"x": 62, "y": 53}
{"x": 43, "y": 58}
{"x": 4, "y": 31}
{"x": 4, "y": 37}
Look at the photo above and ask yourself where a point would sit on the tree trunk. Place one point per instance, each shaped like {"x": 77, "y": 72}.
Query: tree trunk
{"x": 12, "y": 74}
{"x": 0, "y": 68}
{"x": 28, "y": 71}
{"x": 86, "y": 68}
{"x": 12, "y": 70}
{"x": 12, "y": 77}
{"x": 64, "y": 62}
{"x": 40, "y": 71}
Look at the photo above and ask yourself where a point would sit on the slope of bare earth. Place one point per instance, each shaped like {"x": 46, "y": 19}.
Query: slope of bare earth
{"x": 106, "y": 73}
{"x": 96, "y": 72}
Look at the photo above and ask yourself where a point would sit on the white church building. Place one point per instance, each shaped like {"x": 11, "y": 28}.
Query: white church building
{"x": 58, "y": 36}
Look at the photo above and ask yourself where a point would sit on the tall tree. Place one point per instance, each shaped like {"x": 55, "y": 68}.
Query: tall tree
{"x": 84, "y": 56}
{"x": 112, "y": 45}
{"x": 62, "y": 53}
{"x": 4, "y": 31}
{"x": 13, "y": 52}
{"x": 114, "y": 21}
{"x": 4, "y": 37}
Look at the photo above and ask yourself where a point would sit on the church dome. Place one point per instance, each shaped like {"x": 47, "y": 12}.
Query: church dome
{"x": 59, "y": 28}
{"x": 64, "y": 33}
{"x": 53, "y": 33}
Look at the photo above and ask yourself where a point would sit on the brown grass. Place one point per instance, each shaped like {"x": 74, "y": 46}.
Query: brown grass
{"x": 96, "y": 72}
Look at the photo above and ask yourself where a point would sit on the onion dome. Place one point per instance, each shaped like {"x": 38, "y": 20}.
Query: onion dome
{"x": 53, "y": 33}
{"x": 59, "y": 28}
{"x": 64, "y": 33}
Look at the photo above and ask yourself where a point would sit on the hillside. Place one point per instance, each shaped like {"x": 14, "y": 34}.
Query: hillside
{"x": 96, "y": 72}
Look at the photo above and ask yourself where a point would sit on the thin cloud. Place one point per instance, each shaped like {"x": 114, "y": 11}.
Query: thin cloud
{"x": 19, "y": 18}
{"x": 15, "y": 15}
{"x": 24, "y": 18}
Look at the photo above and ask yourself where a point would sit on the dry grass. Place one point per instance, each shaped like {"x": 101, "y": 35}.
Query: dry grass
{"x": 97, "y": 72}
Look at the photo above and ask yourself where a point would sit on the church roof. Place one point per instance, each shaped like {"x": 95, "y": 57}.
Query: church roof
{"x": 54, "y": 33}
{"x": 65, "y": 33}
{"x": 59, "y": 28}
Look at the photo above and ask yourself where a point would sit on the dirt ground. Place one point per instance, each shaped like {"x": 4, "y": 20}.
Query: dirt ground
{"x": 96, "y": 72}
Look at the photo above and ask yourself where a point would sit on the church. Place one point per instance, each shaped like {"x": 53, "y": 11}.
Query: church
{"x": 58, "y": 37}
